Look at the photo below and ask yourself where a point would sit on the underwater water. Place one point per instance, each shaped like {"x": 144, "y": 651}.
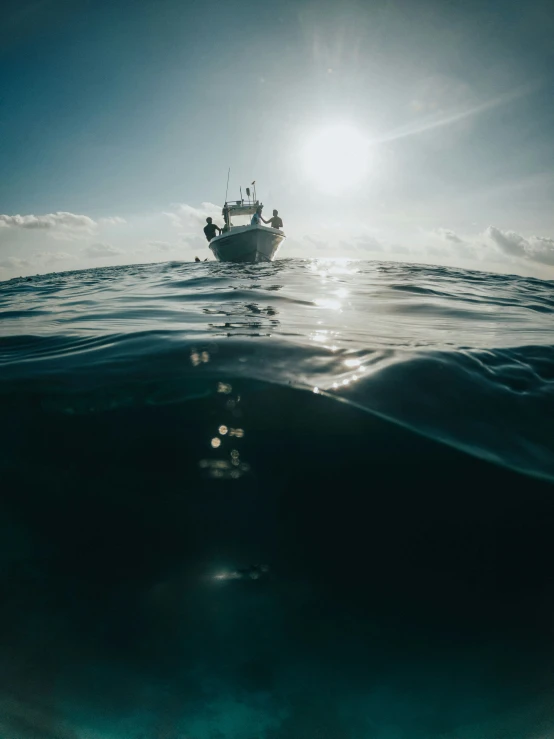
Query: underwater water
{"x": 277, "y": 501}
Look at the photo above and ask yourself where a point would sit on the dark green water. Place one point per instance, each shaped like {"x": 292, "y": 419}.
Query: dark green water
{"x": 195, "y": 544}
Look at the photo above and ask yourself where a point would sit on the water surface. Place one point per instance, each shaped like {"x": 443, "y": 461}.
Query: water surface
{"x": 301, "y": 499}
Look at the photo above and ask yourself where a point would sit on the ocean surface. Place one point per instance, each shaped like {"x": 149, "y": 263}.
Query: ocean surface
{"x": 301, "y": 500}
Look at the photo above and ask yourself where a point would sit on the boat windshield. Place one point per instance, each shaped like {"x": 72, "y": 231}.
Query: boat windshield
{"x": 240, "y": 213}
{"x": 240, "y": 219}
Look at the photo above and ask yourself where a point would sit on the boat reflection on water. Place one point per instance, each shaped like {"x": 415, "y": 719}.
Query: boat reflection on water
{"x": 246, "y": 317}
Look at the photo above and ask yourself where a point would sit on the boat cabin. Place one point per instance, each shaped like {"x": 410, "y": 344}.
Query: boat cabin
{"x": 238, "y": 213}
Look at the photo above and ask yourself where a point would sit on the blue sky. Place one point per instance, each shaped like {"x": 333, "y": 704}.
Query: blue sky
{"x": 128, "y": 114}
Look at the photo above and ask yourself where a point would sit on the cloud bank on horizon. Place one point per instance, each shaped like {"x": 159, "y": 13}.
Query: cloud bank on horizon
{"x": 113, "y": 240}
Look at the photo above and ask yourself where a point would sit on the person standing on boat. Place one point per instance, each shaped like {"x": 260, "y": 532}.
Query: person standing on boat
{"x": 276, "y": 222}
{"x": 210, "y": 229}
{"x": 257, "y": 217}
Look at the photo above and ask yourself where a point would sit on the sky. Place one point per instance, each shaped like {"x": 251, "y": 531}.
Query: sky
{"x": 119, "y": 121}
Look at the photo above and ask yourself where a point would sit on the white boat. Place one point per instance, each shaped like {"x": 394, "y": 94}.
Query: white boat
{"x": 245, "y": 243}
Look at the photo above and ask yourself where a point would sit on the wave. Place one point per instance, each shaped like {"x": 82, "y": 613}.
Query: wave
{"x": 451, "y": 373}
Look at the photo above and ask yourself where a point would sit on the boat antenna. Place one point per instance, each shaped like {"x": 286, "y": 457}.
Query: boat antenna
{"x": 227, "y": 188}
{"x": 254, "y": 184}
{"x": 240, "y": 193}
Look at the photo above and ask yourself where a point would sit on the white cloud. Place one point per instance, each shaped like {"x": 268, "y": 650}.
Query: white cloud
{"x": 541, "y": 249}
{"x": 101, "y": 250}
{"x": 178, "y": 233}
{"x": 174, "y": 219}
{"x": 329, "y": 243}
{"x": 366, "y": 243}
{"x": 14, "y": 263}
{"x": 447, "y": 235}
{"x": 189, "y": 218}
{"x": 492, "y": 249}
{"x": 113, "y": 221}
{"x": 53, "y": 256}
{"x": 190, "y": 221}
{"x": 447, "y": 246}
{"x": 535, "y": 248}
{"x": 57, "y": 221}
{"x": 161, "y": 245}
{"x": 508, "y": 242}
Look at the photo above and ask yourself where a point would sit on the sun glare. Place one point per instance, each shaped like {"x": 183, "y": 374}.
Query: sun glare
{"x": 336, "y": 158}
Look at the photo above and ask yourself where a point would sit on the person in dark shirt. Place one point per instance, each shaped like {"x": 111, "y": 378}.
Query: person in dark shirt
{"x": 210, "y": 229}
{"x": 276, "y": 222}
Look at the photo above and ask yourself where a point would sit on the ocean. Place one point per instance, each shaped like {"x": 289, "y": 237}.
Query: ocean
{"x": 301, "y": 500}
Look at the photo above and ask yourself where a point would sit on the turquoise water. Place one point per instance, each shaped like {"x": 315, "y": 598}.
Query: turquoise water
{"x": 302, "y": 499}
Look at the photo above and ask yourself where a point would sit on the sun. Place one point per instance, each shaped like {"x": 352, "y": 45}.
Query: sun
{"x": 336, "y": 158}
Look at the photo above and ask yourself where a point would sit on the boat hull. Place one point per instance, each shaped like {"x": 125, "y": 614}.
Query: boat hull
{"x": 247, "y": 244}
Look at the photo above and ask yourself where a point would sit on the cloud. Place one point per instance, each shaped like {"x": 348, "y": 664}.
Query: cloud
{"x": 101, "y": 250}
{"x": 315, "y": 242}
{"x": 493, "y": 248}
{"x": 53, "y": 256}
{"x": 113, "y": 221}
{"x": 174, "y": 219}
{"x": 366, "y": 243}
{"x": 447, "y": 235}
{"x": 189, "y": 217}
{"x": 329, "y": 243}
{"x": 541, "y": 249}
{"x": 60, "y": 220}
{"x": 535, "y": 248}
{"x": 509, "y": 242}
{"x": 161, "y": 245}
{"x": 198, "y": 215}
{"x": 446, "y": 244}
{"x": 14, "y": 263}
{"x": 190, "y": 221}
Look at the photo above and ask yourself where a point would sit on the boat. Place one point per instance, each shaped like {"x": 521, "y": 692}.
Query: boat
{"x": 245, "y": 242}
